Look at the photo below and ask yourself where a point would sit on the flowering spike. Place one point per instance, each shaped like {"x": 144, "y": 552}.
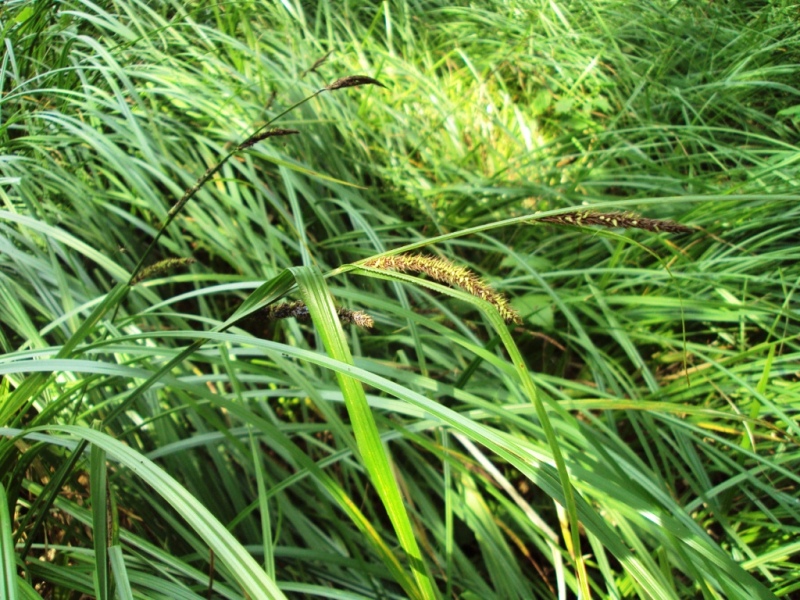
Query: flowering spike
{"x": 444, "y": 271}
{"x": 623, "y": 220}
{"x": 161, "y": 266}
{"x": 252, "y": 141}
{"x": 299, "y": 310}
{"x": 352, "y": 81}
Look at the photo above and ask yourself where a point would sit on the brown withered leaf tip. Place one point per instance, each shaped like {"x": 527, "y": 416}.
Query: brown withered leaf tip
{"x": 623, "y": 220}
{"x": 444, "y": 271}
{"x": 161, "y": 266}
{"x": 264, "y": 135}
{"x": 299, "y": 311}
{"x": 352, "y": 81}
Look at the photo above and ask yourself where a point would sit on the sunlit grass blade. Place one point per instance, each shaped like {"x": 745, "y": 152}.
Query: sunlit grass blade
{"x": 493, "y": 315}
{"x": 320, "y": 304}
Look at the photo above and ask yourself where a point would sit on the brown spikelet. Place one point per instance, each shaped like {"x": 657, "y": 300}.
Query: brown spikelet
{"x": 444, "y": 271}
{"x": 317, "y": 64}
{"x": 356, "y": 317}
{"x": 299, "y": 311}
{"x": 624, "y": 220}
{"x": 284, "y": 310}
{"x": 252, "y": 141}
{"x": 352, "y": 81}
{"x": 161, "y": 266}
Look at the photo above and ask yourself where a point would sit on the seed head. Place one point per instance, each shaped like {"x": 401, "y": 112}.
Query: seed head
{"x": 252, "y": 141}
{"x": 352, "y": 81}
{"x": 161, "y": 266}
{"x": 299, "y": 311}
{"x": 613, "y": 220}
{"x": 444, "y": 271}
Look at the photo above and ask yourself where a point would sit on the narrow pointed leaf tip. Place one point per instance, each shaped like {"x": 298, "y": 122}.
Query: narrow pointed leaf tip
{"x": 352, "y": 81}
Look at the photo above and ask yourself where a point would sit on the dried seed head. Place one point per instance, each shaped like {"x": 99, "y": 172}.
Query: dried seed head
{"x": 161, "y": 266}
{"x": 444, "y": 271}
{"x": 623, "y": 220}
{"x": 352, "y": 81}
{"x": 251, "y": 141}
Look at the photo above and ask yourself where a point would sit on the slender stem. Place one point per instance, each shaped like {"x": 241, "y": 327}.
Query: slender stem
{"x": 201, "y": 181}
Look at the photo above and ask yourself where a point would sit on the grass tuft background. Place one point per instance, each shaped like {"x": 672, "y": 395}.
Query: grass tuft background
{"x": 634, "y": 436}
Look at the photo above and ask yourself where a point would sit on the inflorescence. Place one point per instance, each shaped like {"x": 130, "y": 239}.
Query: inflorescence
{"x": 444, "y": 271}
{"x": 624, "y": 220}
{"x": 299, "y": 310}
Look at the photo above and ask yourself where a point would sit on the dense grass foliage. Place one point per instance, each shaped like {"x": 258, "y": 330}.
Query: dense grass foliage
{"x": 231, "y": 428}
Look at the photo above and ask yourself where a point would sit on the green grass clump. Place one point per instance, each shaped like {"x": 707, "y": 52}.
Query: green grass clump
{"x": 399, "y": 299}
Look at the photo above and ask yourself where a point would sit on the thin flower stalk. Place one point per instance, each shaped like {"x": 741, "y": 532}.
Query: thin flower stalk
{"x": 253, "y": 138}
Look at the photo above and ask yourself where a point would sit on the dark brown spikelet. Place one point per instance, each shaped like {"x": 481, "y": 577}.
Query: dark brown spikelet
{"x": 613, "y": 220}
{"x": 161, "y": 266}
{"x": 444, "y": 271}
{"x": 251, "y": 141}
{"x": 299, "y": 311}
{"x": 284, "y": 310}
{"x": 318, "y": 63}
{"x": 352, "y": 81}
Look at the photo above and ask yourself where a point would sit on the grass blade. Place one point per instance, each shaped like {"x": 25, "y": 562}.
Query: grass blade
{"x": 323, "y": 312}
